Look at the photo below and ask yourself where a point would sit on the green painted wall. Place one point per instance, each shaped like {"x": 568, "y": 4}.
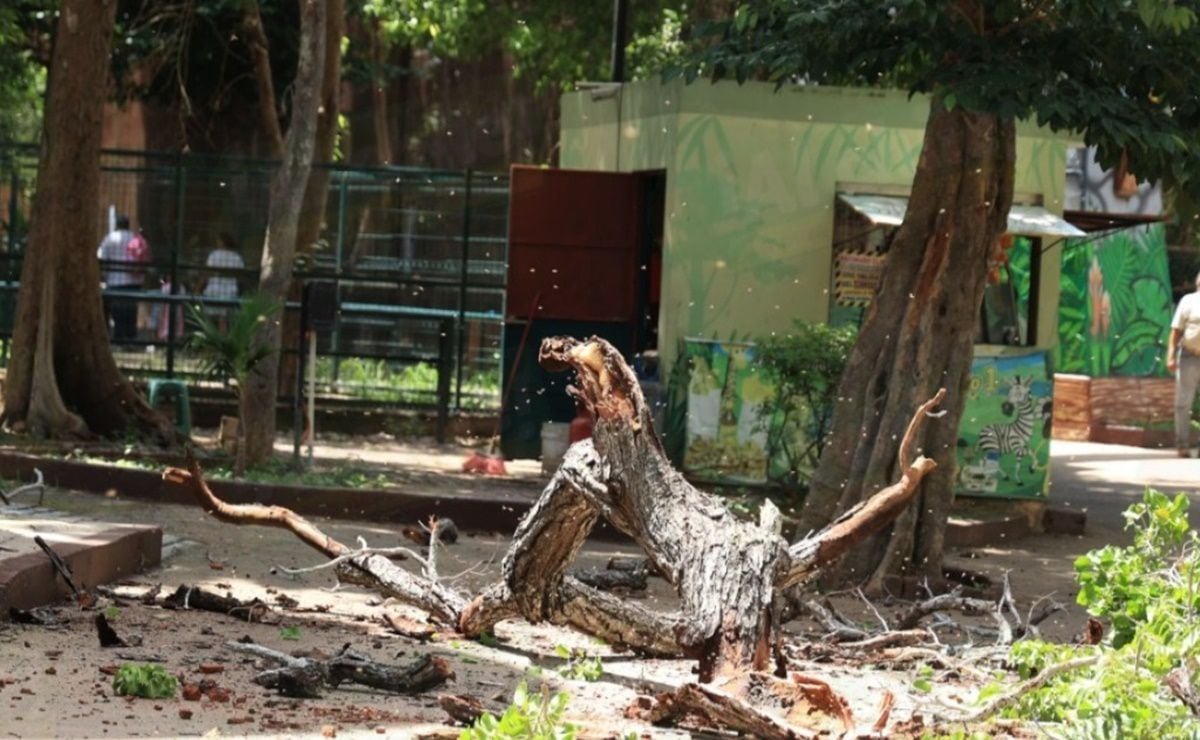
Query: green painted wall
{"x": 751, "y": 180}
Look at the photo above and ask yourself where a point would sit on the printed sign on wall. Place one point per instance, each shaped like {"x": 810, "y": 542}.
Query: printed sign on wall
{"x": 1004, "y": 440}
{"x": 726, "y": 439}
{"x": 855, "y": 277}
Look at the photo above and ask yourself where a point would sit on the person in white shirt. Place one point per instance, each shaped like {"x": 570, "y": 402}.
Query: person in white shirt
{"x": 223, "y": 284}
{"x": 122, "y": 253}
{"x": 1183, "y": 359}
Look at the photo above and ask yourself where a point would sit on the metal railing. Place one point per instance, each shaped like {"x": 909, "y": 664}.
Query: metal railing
{"x": 410, "y": 250}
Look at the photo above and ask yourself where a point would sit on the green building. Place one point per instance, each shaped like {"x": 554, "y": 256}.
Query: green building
{"x": 778, "y": 205}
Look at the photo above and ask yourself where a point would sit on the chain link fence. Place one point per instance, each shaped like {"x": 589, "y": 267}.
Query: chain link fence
{"x": 415, "y": 254}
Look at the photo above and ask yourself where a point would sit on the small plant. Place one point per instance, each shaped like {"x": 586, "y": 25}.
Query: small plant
{"x": 806, "y": 367}
{"x": 147, "y": 681}
{"x": 289, "y": 633}
{"x": 923, "y": 683}
{"x": 579, "y": 666}
{"x": 232, "y": 352}
{"x": 529, "y": 717}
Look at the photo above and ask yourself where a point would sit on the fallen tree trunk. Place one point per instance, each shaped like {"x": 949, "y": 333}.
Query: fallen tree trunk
{"x": 731, "y": 575}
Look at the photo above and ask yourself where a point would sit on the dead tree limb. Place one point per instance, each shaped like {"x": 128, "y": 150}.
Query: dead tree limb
{"x": 1011, "y": 697}
{"x": 1179, "y": 683}
{"x": 729, "y": 573}
{"x": 305, "y": 677}
{"x": 60, "y": 566}
{"x": 195, "y": 597}
{"x": 868, "y": 518}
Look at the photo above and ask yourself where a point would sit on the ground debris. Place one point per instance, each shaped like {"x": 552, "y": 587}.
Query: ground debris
{"x": 462, "y": 709}
{"x": 108, "y": 636}
{"x": 41, "y": 616}
{"x": 306, "y": 677}
{"x": 409, "y": 628}
{"x": 195, "y": 597}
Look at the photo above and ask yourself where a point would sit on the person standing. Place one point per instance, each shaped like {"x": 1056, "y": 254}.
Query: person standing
{"x": 121, "y": 253}
{"x": 225, "y": 260}
{"x": 1183, "y": 359}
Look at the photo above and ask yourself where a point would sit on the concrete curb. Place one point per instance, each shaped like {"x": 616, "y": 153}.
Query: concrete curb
{"x": 29, "y": 580}
{"x": 469, "y": 512}
{"x": 382, "y": 505}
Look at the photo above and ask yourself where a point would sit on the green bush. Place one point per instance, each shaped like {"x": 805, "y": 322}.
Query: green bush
{"x": 1150, "y": 594}
{"x": 147, "y": 681}
{"x": 806, "y": 367}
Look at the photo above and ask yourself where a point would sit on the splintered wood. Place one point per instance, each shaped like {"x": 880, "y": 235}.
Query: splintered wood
{"x": 733, "y": 576}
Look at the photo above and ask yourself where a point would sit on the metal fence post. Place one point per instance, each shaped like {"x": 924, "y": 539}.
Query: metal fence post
{"x": 180, "y": 191}
{"x": 340, "y": 246}
{"x": 14, "y": 187}
{"x": 445, "y": 348}
{"x": 461, "y": 328}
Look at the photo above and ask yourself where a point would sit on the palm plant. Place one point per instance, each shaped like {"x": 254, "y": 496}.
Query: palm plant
{"x": 230, "y": 353}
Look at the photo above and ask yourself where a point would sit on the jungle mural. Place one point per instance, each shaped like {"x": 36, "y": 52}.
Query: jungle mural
{"x": 1115, "y": 305}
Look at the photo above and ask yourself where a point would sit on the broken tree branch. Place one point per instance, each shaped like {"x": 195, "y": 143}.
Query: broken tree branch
{"x": 1008, "y": 699}
{"x": 305, "y": 677}
{"x": 60, "y": 566}
{"x": 38, "y": 485}
{"x": 865, "y": 520}
{"x": 731, "y": 575}
{"x": 267, "y": 516}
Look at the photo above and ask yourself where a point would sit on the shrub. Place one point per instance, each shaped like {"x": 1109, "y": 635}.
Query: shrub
{"x": 529, "y": 717}
{"x": 1148, "y": 591}
{"x": 806, "y": 367}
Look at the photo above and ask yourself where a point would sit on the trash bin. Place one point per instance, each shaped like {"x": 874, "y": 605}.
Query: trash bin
{"x": 555, "y": 440}
{"x": 178, "y": 391}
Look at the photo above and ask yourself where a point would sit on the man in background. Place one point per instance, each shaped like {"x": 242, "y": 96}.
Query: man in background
{"x": 1183, "y": 359}
{"x": 225, "y": 261}
{"x": 122, "y": 253}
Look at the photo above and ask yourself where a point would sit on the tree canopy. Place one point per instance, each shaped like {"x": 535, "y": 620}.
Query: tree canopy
{"x": 1124, "y": 75}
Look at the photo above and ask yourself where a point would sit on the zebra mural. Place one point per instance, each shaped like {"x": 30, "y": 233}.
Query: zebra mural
{"x": 1013, "y": 437}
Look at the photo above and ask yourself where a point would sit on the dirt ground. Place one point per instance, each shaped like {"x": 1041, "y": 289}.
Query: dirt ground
{"x": 53, "y": 684}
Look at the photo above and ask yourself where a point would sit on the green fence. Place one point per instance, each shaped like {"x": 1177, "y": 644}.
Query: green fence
{"x": 415, "y": 254}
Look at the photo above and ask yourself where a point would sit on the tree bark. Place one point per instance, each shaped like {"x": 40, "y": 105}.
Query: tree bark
{"x": 316, "y": 194}
{"x": 286, "y": 200}
{"x": 918, "y": 335}
{"x": 733, "y": 576}
{"x": 62, "y": 378}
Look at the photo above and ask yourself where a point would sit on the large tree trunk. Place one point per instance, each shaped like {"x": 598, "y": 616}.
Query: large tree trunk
{"x": 918, "y": 336}
{"x": 283, "y": 219}
{"x": 62, "y": 379}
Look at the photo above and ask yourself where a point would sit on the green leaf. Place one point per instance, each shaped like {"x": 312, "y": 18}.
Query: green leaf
{"x": 147, "y": 681}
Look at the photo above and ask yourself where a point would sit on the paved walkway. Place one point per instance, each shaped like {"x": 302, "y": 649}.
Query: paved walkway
{"x": 1105, "y": 479}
